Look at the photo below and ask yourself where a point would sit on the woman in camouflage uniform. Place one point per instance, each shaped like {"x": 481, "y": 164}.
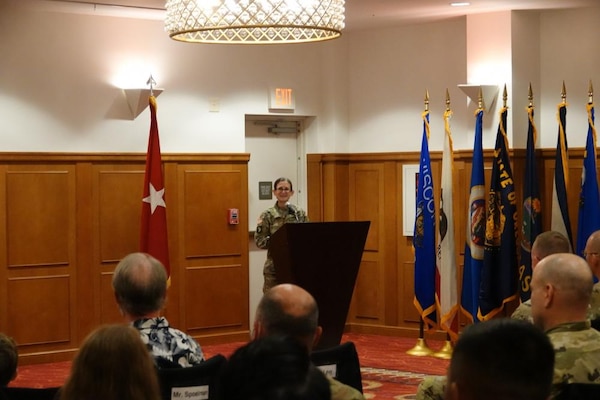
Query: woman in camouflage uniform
{"x": 271, "y": 220}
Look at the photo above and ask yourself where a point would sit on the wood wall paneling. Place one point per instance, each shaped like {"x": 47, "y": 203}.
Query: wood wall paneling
{"x": 69, "y": 218}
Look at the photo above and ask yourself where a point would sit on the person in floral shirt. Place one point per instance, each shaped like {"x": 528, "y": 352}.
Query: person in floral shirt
{"x": 140, "y": 286}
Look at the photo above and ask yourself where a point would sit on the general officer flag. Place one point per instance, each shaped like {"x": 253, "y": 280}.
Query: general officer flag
{"x": 560, "y": 221}
{"x": 446, "y": 255}
{"x": 500, "y": 269}
{"x": 531, "y": 224}
{"x": 475, "y": 228}
{"x": 424, "y": 235}
{"x": 589, "y": 201}
{"x": 153, "y": 235}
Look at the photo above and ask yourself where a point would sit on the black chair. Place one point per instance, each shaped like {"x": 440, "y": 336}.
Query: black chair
{"x": 176, "y": 382}
{"x": 22, "y": 393}
{"x": 340, "y": 362}
{"x": 596, "y": 324}
{"x": 579, "y": 391}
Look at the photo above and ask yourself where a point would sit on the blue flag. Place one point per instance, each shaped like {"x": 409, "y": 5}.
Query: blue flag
{"x": 531, "y": 225}
{"x": 499, "y": 276}
{"x": 469, "y": 302}
{"x": 424, "y": 236}
{"x": 589, "y": 200}
{"x": 560, "y": 209}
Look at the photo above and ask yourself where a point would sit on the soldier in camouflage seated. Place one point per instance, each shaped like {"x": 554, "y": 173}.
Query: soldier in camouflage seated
{"x": 546, "y": 243}
{"x": 592, "y": 256}
{"x": 561, "y": 288}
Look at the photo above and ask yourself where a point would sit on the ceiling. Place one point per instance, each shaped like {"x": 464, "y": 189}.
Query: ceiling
{"x": 368, "y": 14}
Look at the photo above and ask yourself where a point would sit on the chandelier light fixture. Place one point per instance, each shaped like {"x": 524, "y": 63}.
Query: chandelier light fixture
{"x": 254, "y": 21}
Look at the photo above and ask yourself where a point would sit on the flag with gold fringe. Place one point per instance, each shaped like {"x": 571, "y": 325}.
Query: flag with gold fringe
{"x": 153, "y": 234}
{"x": 499, "y": 276}
{"x": 475, "y": 237}
{"x": 424, "y": 236}
{"x": 447, "y": 295}
{"x": 531, "y": 223}
{"x": 560, "y": 221}
{"x": 589, "y": 200}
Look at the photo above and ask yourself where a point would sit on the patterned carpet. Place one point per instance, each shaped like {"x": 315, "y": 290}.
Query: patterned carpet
{"x": 388, "y": 372}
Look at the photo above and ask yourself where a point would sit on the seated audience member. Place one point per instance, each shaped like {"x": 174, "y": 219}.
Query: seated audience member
{"x": 592, "y": 256}
{"x": 9, "y": 358}
{"x": 501, "y": 359}
{"x": 546, "y": 243}
{"x": 289, "y": 310}
{"x": 272, "y": 368}
{"x": 140, "y": 286}
{"x": 560, "y": 296}
{"x": 112, "y": 364}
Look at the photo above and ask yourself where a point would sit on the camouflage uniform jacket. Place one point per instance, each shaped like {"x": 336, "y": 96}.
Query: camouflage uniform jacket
{"x": 577, "y": 352}
{"x": 594, "y": 312}
{"x": 523, "y": 311}
{"x": 339, "y": 391}
{"x": 268, "y": 223}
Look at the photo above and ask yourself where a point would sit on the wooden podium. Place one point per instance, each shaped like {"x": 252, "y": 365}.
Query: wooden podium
{"x": 323, "y": 258}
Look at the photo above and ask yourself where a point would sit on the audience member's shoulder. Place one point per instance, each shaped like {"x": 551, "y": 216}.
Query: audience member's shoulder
{"x": 431, "y": 388}
{"x": 523, "y": 311}
{"x": 340, "y": 391}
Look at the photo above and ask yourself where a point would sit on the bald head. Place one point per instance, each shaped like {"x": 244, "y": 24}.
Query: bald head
{"x": 592, "y": 253}
{"x": 561, "y": 288}
{"x": 288, "y": 310}
{"x": 140, "y": 285}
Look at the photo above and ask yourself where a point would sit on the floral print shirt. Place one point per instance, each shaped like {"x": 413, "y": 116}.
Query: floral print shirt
{"x": 166, "y": 343}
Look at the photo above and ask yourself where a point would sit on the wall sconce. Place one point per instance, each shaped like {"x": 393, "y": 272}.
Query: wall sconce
{"x": 489, "y": 94}
{"x": 137, "y": 99}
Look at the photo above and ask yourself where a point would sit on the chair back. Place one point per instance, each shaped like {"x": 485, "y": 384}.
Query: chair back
{"x": 579, "y": 391}
{"x": 23, "y": 393}
{"x": 198, "y": 382}
{"x": 340, "y": 362}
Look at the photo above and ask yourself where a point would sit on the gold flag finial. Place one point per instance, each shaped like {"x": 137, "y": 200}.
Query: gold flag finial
{"x": 530, "y": 95}
{"x": 504, "y": 96}
{"x": 563, "y": 93}
{"x": 447, "y": 100}
{"x": 590, "y": 93}
{"x": 480, "y": 99}
{"x": 426, "y": 100}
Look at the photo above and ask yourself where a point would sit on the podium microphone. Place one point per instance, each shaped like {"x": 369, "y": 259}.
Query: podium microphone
{"x": 291, "y": 211}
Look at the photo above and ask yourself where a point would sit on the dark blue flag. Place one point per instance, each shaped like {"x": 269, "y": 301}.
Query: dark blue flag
{"x": 560, "y": 209}
{"x": 589, "y": 200}
{"x": 469, "y": 302}
{"x": 532, "y": 210}
{"x": 424, "y": 236}
{"x": 499, "y": 276}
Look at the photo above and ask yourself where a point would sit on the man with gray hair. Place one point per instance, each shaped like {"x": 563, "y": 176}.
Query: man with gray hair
{"x": 289, "y": 310}
{"x": 140, "y": 286}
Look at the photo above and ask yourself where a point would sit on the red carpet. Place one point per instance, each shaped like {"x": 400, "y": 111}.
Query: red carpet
{"x": 388, "y": 372}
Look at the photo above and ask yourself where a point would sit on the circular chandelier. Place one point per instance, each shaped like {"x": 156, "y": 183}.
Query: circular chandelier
{"x": 254, "y": 21}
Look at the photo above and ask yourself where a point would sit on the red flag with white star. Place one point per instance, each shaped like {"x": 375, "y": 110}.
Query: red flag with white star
{"x": 153, "y": 235}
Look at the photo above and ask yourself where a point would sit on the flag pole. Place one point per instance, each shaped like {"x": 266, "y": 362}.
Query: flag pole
{"x": 420, "y": 348}
{"x": 446, "y": 351}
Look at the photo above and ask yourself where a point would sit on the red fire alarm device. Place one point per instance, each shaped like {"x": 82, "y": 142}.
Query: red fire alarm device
{"x": 232, "y": 216}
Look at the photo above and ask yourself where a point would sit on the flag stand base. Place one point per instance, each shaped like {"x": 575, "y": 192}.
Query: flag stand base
{"x": 445, "y": 352}
{"x": 420, "y": 349}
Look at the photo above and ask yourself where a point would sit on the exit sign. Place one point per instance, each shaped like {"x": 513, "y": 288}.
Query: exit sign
{"x": 281, "y": 99}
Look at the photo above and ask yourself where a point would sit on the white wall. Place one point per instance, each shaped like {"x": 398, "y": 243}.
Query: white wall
{"x": 58, "y": 89}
